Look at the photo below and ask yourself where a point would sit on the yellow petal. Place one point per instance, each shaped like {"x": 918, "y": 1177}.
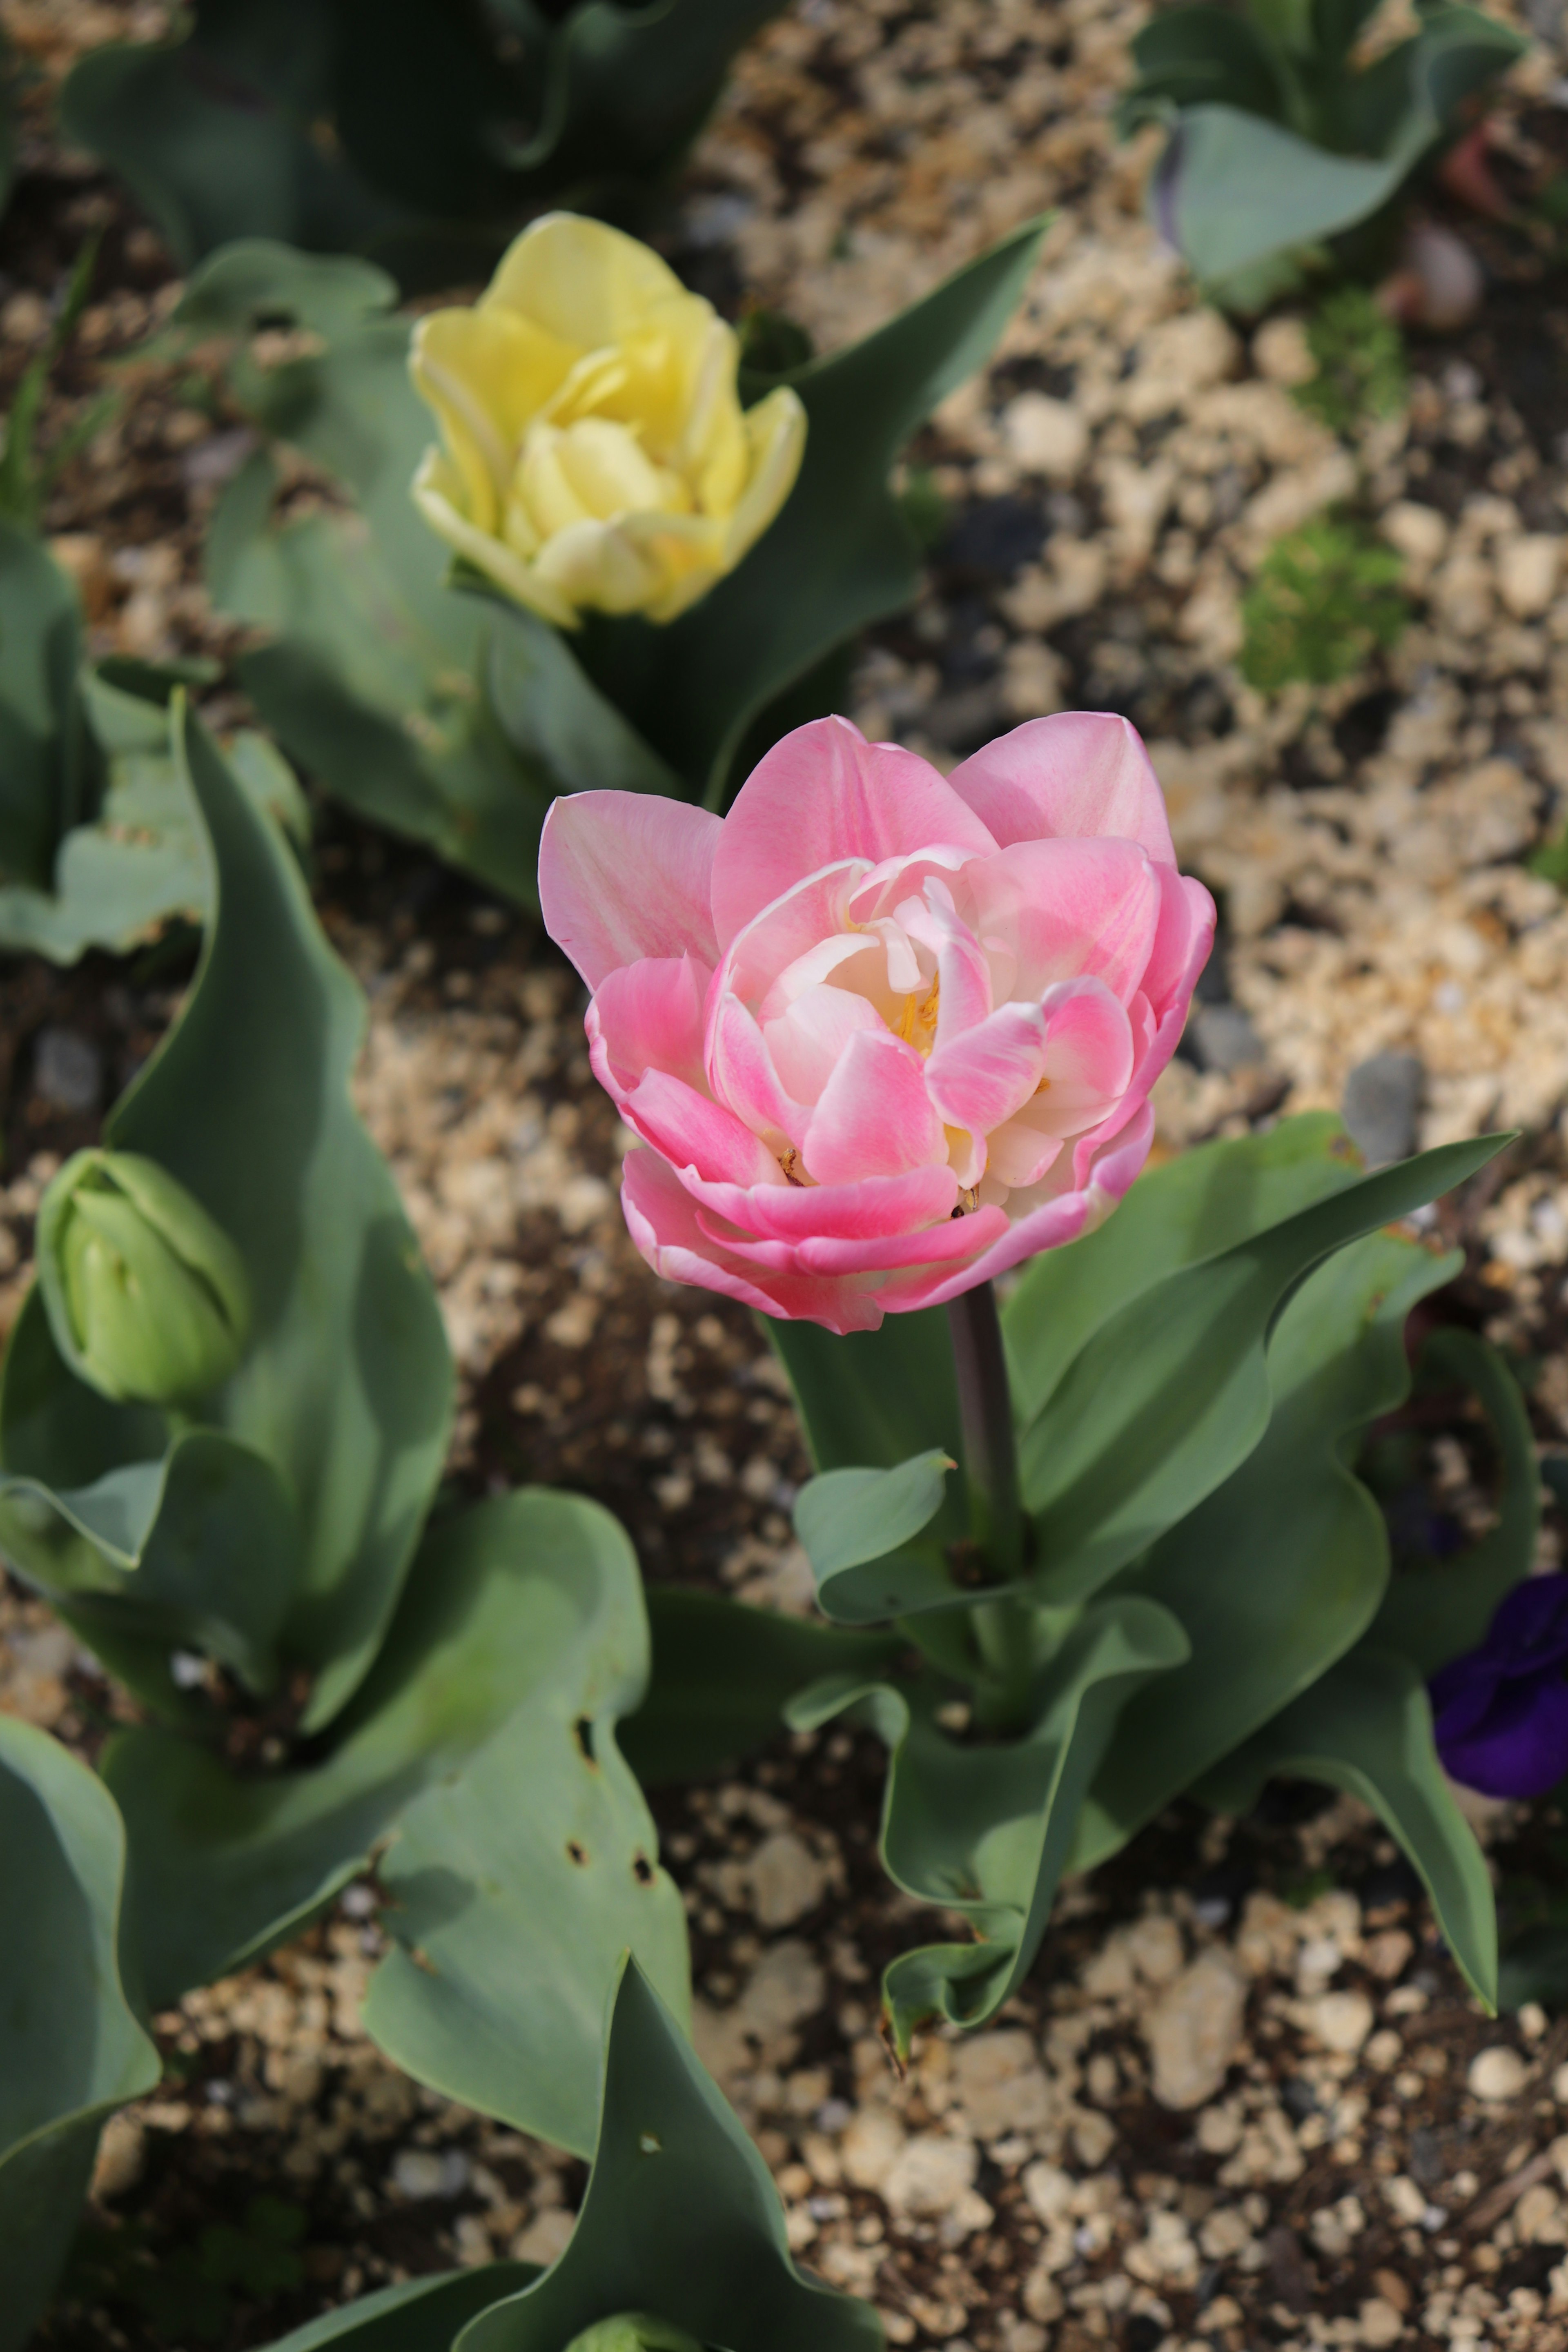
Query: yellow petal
{"x": 715, "y": 452}
{"x": 775, "y": 433}
{"x": 437, "y": 491}
{"x": 689, "y": 551}
{"x": 485, "y": 375}
{"x": 544, "y": 486}
{"x": 581, "y": 281}
{"x": 598, "y": 565}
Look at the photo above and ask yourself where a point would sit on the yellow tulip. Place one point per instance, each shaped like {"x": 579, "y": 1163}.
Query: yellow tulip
{"x": 595, "y": 453}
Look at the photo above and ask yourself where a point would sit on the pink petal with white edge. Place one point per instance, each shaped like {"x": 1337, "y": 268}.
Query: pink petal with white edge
{"x": 692, "y": 1132}
{"x": 626, "y": 875}
{"x": 963, "y": 967}
{"x": 1089, "y": 1049}
{"x": 1184, "y": 939}
{"x": 648, "y": 1015}
{"x": 879, "y": 1206}
{"x": 1080, "y": 772}
{"x": 824, "y": 793}
{"x": 741, "y": 1075}
{"x": 874, "y": 1117}
{"x": 1056, "y": 910}
{"x": 1062, "y": 1219}
{"x": 662, "y": 1221}
{"x": 989, "y": 1072}
{"x": 805, "y": 934}
{"x": 1019, "y": 1153}
{"x": 807, "y": 1041}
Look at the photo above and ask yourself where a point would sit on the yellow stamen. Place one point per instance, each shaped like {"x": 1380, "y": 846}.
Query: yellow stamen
{"x": 916, "y": 1023}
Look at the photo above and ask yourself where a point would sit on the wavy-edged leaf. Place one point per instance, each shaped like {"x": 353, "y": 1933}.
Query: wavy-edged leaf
{"x": 855, "y": 1523}
{"x": 520, "y": 1640}
{"x": 1280, "y": 1571}
{"x": 1171, "y": 1394}
{"x": 1366, "y": 1726}
{"x": 985, "y": 1828}
{"x": 71, "y": 2049}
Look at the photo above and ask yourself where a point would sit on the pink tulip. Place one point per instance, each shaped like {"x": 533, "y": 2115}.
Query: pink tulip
{"x": 880, "y": 1034}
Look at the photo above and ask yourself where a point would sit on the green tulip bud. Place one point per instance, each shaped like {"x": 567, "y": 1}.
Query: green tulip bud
{"x": 146, "y": 1296}
{"x": 632, "y": 2331}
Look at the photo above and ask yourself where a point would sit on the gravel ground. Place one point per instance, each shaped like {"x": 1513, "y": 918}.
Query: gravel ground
{"x": 1243, "y": 2101}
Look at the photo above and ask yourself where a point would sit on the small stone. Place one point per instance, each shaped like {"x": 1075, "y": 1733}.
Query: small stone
{"x": 121, "y": 2153}
{"x": 1154, "y": 1943}
{"x": 68, "y": 1069}
{"x": 1224, "y": 1039}
{"x": 1342, "y": 2021}
{"x": 786, "y": 1880}
{"x": 1195, "y": 2030}
{"x": 1383, "y": 1105}
{"x": 1560, "y": 2086}
{"x": 1527, "y": 573}
{"x": 931, "y": 2173}
{"x": 873, "y": 2141}
{"x": 421, "y": 2172}
{"x": 1048, "y": 2189}
{"x": 1282, "y": 352}
{"x": 1419, "y": 533}
{"x": 1499, "y": 2073}
{"x": 1045, "y": 437}
{"x": 1000, "y": 2083}
{"x": 1378, "y": 2323}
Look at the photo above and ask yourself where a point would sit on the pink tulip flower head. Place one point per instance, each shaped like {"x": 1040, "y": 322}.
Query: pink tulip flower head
{"x": 880, "y": 1034}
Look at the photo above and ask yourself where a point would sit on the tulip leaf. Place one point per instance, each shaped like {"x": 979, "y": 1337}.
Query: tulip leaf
{"x": 851, "y": 1520}
{"x": 345, "y": 1386}
{"x": 1171, "y": 1393}
{"x": 839, "y": 556}
{"x": 986, "y": 1829}
{"x": 1443, "y": 1608}
{"x": 422, "y": 2315}
{"x": 722, "y": 1675}
{"x": 519, "y": 1640}
{"x": 1192, "y": 1209}
{"x": 100, "y": 844}
{"x": 71, "y": 2049}
{"x": 1366, "y": 1726}
{"x": 680, "y": 2219}
{"x": 873, "y": 1397}
{"x": 1280, "y": 1570}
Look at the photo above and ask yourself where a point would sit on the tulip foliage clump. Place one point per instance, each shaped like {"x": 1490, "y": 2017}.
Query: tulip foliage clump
{"x": 589, "y": 548}
{"x": 420, "y": 131}
{"x": 1286, "y": 142}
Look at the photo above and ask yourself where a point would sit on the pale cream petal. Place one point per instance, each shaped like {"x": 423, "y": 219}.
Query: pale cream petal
{"x": 610, "y": 476}
{"x": 544, "y": 486}
{"x": 485, "y": 375}
{"x": 775, "y": 431}
{"x": 714, "y": 451}
{"x": 582, "y": 281}
{"x": 432, "y": 489}
{"x": 598, "y": 565}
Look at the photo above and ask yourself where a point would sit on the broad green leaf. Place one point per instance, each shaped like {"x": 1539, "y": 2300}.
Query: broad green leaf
{"x": 71, "y": 2049}
{"x": 213, "y": 133}
{"x": 1281, "y": 1569}
{"x": 45, "y": 753}
{"x": 851, "y": 1520}
{"x": 986, "y": 1829}
{"x": 345, "y": 1388}
{"x": 875, "y": 1397}
{"x": 1188, "y": 56}
{"x": 1433, "y": 1613}
{"x": 1193, "y": 1207}
{"x": 1171, "y": 1394}
{"x": 839, "y": 556}
{"x": 1366, "y": 1726}
{"x": 722, "y": 1675}
{"x": 520, "y": 1639}
{"x": 1241, "y": 189}
{"x": 680, "y": 2219}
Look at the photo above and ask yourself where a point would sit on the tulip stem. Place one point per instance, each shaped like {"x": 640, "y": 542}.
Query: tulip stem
{"x": 986, "y": 1418}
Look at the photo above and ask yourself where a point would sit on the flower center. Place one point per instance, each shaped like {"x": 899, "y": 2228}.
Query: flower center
{"x": 916, "y": 1023}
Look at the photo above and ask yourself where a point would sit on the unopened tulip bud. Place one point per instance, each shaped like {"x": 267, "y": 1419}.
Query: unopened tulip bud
{"x": 632, "y": 2331}
{"x": 146, "y": 1296}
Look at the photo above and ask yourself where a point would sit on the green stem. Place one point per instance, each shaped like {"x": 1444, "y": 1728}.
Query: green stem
{"x": 985, "y": 1417}
{"x": 1004, "y": 1628}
